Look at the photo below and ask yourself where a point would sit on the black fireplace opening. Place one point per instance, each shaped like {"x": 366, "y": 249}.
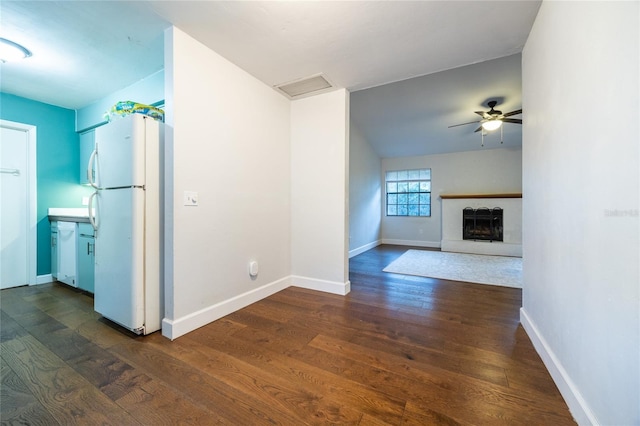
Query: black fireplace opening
{"x": 482, "y": 224}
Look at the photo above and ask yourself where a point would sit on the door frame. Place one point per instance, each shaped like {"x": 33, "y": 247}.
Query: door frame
{"x": 32, "y": 222}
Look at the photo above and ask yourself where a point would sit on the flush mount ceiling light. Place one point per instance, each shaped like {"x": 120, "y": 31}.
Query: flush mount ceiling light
{"x": 305, "y": 87}
{"x": 11, "y": 51}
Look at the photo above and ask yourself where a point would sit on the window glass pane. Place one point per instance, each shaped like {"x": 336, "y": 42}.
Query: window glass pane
{"x": 408, "y": 192}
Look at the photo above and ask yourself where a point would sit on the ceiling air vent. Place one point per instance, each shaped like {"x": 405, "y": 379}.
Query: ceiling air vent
{"x": 305, "y": 87}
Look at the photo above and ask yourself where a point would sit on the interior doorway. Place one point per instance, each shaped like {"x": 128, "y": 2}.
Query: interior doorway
{"x": 18, "y": 204}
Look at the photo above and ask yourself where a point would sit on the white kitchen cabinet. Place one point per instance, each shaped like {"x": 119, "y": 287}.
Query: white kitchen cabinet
{"x": 67, "y": 253}
{"x": 73, "y": 252}
{"x": 85, "y": 257}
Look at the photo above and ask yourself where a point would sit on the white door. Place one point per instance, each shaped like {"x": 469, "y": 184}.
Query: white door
{"x": 17, "y": 204}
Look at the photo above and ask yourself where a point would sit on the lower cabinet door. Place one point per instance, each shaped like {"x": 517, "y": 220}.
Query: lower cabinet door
{"x": 86, "y": 259}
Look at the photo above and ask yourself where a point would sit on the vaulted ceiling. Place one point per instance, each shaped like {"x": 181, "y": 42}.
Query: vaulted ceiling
{"x": 84, "y": 50}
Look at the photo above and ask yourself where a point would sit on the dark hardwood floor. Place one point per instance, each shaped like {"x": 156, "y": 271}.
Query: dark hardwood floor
{"x": 397, "y": 350}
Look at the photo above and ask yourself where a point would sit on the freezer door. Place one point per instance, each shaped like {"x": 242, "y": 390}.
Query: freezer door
{"x": 119, "y": 257}
{"x": 120, "y": 147}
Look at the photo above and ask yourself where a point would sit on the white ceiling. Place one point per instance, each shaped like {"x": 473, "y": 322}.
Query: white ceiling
{"x": 84, "y": 50}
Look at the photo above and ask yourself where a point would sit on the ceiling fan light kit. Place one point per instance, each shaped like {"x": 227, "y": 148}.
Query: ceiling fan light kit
{"x": 491, "y": 125}
{"x": 492, "y": 120}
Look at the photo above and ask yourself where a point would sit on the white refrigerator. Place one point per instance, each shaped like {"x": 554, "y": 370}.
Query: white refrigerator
{"x": 126, "y": 211}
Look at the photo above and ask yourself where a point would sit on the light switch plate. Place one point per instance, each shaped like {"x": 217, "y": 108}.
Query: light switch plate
{"x": 190, "y": 198}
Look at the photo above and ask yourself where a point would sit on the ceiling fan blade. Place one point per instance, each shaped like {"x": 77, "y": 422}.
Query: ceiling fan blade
{"x": 478, "y": 129}
{"x": 512, "y": 120}
{"x": 482, "y": 114}
{"x": 464, "y": 124}
{"x": 516, "y": 112}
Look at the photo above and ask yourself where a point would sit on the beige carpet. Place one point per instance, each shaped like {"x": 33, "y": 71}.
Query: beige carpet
{"x": 473, "y": 268}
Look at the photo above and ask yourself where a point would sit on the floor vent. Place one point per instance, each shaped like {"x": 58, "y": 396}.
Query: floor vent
{"x": 305, "y": 87}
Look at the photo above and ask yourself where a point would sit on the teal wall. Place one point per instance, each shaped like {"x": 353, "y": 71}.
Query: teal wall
{"x": 57, "y": 157}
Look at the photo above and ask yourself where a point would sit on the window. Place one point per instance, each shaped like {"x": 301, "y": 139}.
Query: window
{"x": 408, "y": 192}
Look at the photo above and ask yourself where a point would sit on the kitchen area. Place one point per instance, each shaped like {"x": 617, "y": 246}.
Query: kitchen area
{"x": 63, "y": 249}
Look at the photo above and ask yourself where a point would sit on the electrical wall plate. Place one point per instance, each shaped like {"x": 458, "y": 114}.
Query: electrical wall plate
{"x": 253, "y": 268}
{"x": 190, "y": 198}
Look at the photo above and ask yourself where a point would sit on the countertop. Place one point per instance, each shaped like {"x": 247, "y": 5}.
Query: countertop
{"x": 69, "y": 214}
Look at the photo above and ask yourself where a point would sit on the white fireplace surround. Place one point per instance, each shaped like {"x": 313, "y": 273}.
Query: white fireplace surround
{"x": 452, "y": 206}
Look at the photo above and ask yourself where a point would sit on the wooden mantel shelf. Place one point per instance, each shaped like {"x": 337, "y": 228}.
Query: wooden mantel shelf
{"x": 458, "y": 196}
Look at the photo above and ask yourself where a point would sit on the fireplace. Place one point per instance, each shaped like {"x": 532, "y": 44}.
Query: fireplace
{"x": 509, "y": 240}
{"x": 482, "y": 224}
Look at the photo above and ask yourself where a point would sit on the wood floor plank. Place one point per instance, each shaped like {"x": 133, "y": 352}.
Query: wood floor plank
{"x": 319, "y": 385}
{"x": 107, "y": 372}
{"x": 271, "y": 401}
{"x": 17, "y": 403}
{"x": 154, "y": 403}
{"x": 61, "y": 391}
{"x": 208, "y": 384}
{"x": 9, "y": 329}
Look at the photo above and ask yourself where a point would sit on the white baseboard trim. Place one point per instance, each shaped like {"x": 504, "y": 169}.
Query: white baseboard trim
{"x": 578, "y": 407}
{"x": 415, "y": 243}
{"x": 363, "y": 248}
{"x": 334, "y": 287}
{"x": 44, "y": 279}
{"x": 173, "y": 329}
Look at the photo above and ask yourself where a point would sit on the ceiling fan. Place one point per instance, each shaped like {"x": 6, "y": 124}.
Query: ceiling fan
{"x": 493, "y": 119}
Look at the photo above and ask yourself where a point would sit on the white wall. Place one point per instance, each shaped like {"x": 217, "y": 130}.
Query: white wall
{"x": 319, "y": 185}
{"x": 474, "y": 172}
{"x": 581, "y": 199}
{"x": 365, "y": 194}
{"x": 228, "y": 138}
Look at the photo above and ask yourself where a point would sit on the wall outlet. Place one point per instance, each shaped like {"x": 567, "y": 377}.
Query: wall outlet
{"x": 85, "y": 201}
{"x": 190, "y": 198}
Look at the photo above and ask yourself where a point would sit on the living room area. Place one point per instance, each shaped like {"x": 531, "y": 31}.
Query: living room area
{"x": 579, "y": 183}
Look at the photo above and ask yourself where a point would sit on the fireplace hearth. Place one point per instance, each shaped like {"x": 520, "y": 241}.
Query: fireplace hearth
{"x": 482, "y": 224}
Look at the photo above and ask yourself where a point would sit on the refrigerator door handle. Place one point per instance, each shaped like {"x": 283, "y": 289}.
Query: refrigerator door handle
{"x": 92, "y": 218}
{"x": 90, "y": 177}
